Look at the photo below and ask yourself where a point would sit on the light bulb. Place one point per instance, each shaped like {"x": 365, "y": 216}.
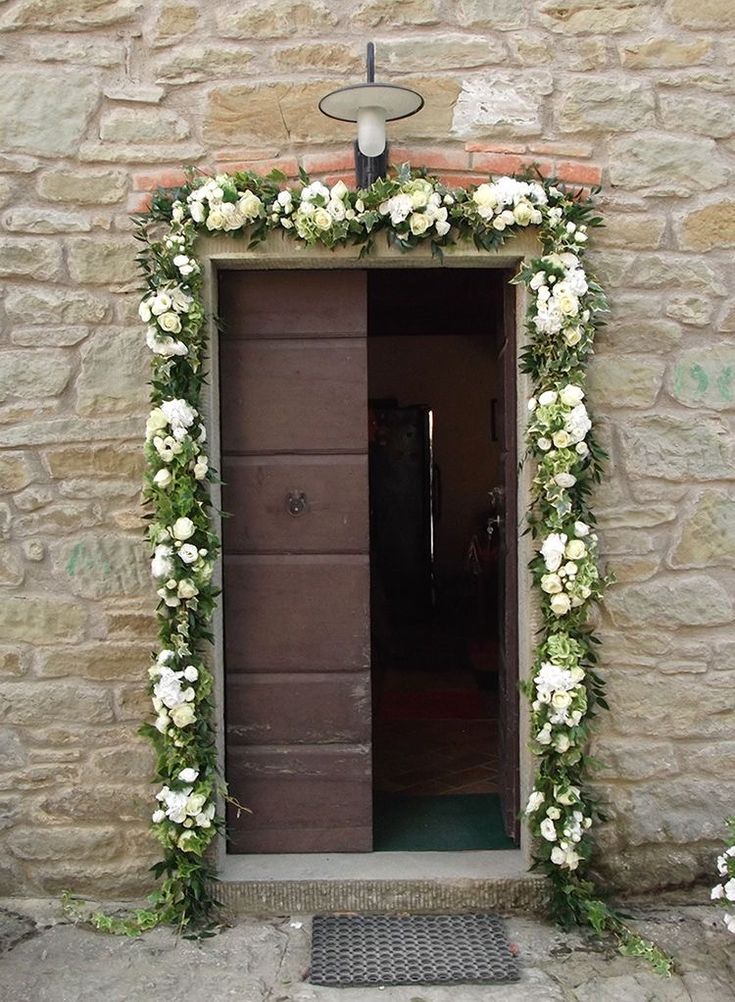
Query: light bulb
{"x": 371, "y": 131}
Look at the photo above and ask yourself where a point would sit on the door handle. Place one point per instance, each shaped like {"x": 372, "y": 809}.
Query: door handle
{"x": 296, "y": 503}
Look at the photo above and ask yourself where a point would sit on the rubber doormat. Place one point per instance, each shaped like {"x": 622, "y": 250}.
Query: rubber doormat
{"x": 358, "y": 950}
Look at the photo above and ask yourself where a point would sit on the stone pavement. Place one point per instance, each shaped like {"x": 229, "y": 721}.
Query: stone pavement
{"x": 45, "y": 959}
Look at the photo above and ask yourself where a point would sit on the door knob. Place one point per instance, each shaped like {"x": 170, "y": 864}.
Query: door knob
{"x": 296, "y": 503}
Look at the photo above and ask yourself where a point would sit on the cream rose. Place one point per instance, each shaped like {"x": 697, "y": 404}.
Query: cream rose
{"x": 183, "y": 528}
{"x": 183, "y": 715}
{"x": 249, "y": 206}
{"x": 418, "y": 223}
{"x": 571, "y": 395}
{"x": 575, "y": 549}
{"x": 322, "y": 219}
{"x": 551, "y": 584}
{"x": 170, "y": 322}
{"x": 163, "y": 478}
{"x": 560, "y": 604}
{"x": 523, "y": 213}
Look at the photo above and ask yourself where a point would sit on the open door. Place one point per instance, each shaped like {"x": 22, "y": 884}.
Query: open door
{"x": 508, "y": 725}
{"x": 293, "y": 387}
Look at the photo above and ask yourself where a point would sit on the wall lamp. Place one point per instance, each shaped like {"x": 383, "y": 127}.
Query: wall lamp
{"x": 371, "y": 105}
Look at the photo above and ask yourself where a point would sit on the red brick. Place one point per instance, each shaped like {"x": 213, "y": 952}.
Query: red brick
{"x": 433, "y": 157}
{"x": 320, "y": 163}
{"x": 288, "y": 165}
{"x": 455, "y": 179}
{"x": 497, "y": 147}
{"x": 243, "y": 153}
{"x": 139, "y": 203}
{"x": 347, "y": 177}
{"x": 578, "y": 173}
{"x": 168, "y": 177}
{"x": 503, "y": 163}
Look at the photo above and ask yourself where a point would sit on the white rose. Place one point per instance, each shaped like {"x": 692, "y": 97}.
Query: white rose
{"x": 534, "y": 802}
{"x": 196, "y": 211}
{"x": 190, "y": 673}
{"x": 565, "y": 480}
{"x": 544, "y": 735}
{"x": 249, "y": 206}
{"x": 581, "y": 529}
{"x": 717, "y": 892}
{"x": 551, "y": 584}
{"x": 170, "y": 322}
{"x": 572, "y": 336}
{"x": 183, "y": 715}
{"x": 554, "y": 813}
{"x": 571, "y": 395}
{"x": 419, "y": 199}
{"x": 418, "y": 223}
{"x": 161, "y": 564}
{"x": 566, "y": 301}
{"x": 183, "y": 528}
{"x": 547, "y": 398}
{"x": 158, "y": 816}
{"x": 188, "y": 775}
{"x": 561, "y": 439}
{"x": 575, "y": 549}
{"x": 157, "y": 421}
{"x": 548, "y": 830}
{"x": 581, "y": 448}
{"x": 336, "y": 209}
{"x": 160, "y": 303}
{"x": 163, "y": 478}
{"x": 188, "y": 553}
{"x": 216, "y": 220}
{"x": 560, "y": 604}
{"x": 322, "y": 219}
{"x": 144, "y": 311}
{"x": 552, "y": 550}
{"x": 523, "y": 213}
{"x": 561, "y": 700}
{"x": 544, "y": 444}
{"x": 201, "y": 467}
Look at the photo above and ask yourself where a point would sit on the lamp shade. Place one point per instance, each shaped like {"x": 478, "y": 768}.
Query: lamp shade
{"x": 345, "y": 104}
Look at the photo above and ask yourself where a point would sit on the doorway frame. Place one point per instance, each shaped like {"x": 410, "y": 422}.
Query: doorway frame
{"x": 222, "y": 253}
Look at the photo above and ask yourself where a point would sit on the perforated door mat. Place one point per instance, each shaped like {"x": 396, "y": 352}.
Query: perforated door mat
{"x": 349, "y": 950}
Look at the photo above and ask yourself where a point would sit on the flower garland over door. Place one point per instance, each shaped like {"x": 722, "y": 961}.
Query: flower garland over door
{"x": 565, "y": 304}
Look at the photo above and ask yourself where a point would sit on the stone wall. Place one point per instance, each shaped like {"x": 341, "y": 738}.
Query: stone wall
{"x": 105, "y": 99}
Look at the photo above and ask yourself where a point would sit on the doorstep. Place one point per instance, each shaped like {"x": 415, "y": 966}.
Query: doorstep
{"x": 380, "y": 882}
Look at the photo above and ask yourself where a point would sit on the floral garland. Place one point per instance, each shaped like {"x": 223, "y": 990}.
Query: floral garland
{"x": 565, "y": 304}
{"x": 724, "y": 890}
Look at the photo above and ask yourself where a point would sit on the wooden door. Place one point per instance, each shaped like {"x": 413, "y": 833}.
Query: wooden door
{"x": 508, "y": 726}
{"x": 293, "y": 386}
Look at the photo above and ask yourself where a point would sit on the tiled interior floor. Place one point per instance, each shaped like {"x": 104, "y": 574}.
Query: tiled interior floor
{"x": 438, "y": 755}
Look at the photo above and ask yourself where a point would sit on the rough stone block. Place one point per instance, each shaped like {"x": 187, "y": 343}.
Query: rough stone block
{"x": 192, "y": 63}
{"x": 633, "y": 230}
{"x": 693, "y": 310}
{"x": 703, "y": 114}
{"x": 15, "y": 471}
{"x": 684, "y": 600}
{"x": 83, "y": 187}
{"x": 704, "y": 377}
{"x": 36, "y": 703}
{"x": 24, "y": 111}
{"x": 30, "y": 258}
{"x": 40, "y": 619}
{"x": 144, "y": 125}
{"x": 90, "y": 52}
{"x": 97, "y": 566}
{"x": 374, "y": 13}
{"x": 603, "y": 17}
{"x": 500, "y": 15}
{"x": 504, "y": 102}
{"x": 707, "y": 534}
{"x": 102, "y": 662}
{"x": 69, "y": 15}
{"x": 63, "y": 843}
{"x": 113, "y": 374}
{"x": 413, "y": 55}
{"x": 612, "y": 105}
{"x": 321, "y": 56}
{"x": 718, "y": 14}
{"x": 31, "y": 220}
{"x": 625, "y": 380}
{"x": 708, "y": 227}
{"x": 95, "y": 460}
{"x": 673, "y": 448}
{"x": 274, "y": 19}
{"x": 666, "y": 164}
{"x": 52, "y": 306}
{"x": 657, "y": 52}
{"x": 102, "y": 262}
{"x": 33, "y": 374}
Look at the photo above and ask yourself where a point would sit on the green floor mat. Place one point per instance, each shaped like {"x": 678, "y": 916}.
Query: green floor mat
{"x": 443, "y": 823}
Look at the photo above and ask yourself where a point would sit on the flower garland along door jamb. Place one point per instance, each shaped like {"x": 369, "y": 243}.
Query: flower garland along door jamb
{"x": 409, "y": 210}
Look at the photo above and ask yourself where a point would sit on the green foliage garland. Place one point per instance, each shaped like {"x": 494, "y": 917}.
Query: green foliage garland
{"x": 565, "y": 306}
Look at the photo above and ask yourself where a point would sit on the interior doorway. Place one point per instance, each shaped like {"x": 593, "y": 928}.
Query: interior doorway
{"x": 437, "y": 485}
{"x": 367, "y": 624}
